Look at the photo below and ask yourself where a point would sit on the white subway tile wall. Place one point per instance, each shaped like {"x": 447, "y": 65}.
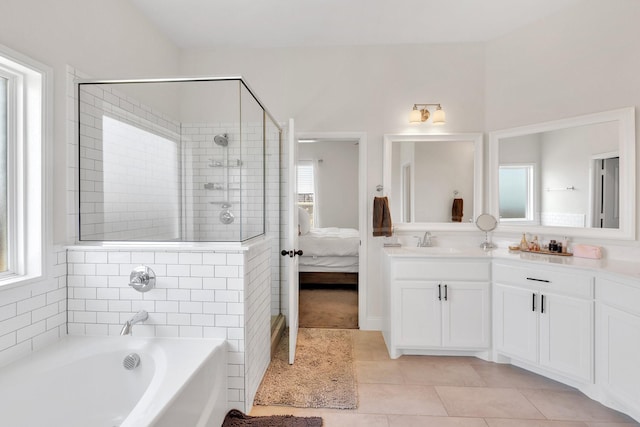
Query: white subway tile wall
{"x": 129, "y": 168}
{"x": 34, "y": 315}
{"x": 203, "y": 294}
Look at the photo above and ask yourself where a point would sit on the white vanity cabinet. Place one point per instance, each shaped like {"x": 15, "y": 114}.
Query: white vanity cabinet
{"x": 618, "y": 342}
{"x": 544, "y": 317}
{"x": 436, "y": 304}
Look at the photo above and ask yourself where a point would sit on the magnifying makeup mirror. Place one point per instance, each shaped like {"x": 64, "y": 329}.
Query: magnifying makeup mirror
{"x": 486, "y": 223}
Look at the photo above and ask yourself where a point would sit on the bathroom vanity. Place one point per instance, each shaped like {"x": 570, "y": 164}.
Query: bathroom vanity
{"x": 573, "y": 320}
{"x": 438, "y": 303}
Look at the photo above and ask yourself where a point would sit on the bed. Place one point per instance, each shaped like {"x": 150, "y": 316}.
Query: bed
{"x": 329, "y": 255}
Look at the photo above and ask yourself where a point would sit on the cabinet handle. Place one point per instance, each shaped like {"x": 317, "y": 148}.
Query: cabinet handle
{"x": 541, "y": 303}
{"x": 533, "y": 302}
{"x": 538, "y": 280}
{"x": 445, "y": 292}
{"x": 439, "y": 292}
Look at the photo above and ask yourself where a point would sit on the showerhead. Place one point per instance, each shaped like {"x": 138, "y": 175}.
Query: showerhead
{"x": 222, "y": 140}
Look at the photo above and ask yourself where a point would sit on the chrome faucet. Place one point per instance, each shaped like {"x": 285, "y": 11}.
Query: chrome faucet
{"x": 425, "y": 241}
{"x": 140, "y": 316}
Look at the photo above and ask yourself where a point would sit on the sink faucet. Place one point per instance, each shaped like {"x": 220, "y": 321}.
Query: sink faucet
{"x": 425, "y": 241}
{"x": 140, "y": 316}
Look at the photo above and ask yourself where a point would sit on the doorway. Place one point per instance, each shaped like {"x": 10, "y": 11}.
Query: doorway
{"x": 330, "y": 193}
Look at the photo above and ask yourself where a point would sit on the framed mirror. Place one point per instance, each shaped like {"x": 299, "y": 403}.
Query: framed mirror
{"x": 572, "y": 177}
{"x": 433, "y": 181}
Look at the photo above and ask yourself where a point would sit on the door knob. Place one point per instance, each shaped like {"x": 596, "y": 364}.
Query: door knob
{"x": 291, "y": 254}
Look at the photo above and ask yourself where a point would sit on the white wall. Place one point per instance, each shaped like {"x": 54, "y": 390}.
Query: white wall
{"x": 103, "y": 39}
{"x": 336, "y": 166}
{"x": 580, "y": 61}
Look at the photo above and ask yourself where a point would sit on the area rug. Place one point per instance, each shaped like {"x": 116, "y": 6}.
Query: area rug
{"x": 236, "y": 418}
{"x": 322, "y": 376}
{"x": 322, "y": 307}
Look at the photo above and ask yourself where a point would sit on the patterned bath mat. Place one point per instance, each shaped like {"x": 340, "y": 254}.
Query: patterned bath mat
{"x": 236, "y": 418}
{"x": 323, "y": 375}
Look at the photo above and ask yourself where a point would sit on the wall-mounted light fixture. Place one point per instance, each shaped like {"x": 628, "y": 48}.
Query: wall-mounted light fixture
{"x": 422, "y": 114}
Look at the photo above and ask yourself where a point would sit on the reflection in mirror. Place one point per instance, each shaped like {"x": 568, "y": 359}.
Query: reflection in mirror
{"x": 567, "y": 174}
{"x": 433, "y": 179}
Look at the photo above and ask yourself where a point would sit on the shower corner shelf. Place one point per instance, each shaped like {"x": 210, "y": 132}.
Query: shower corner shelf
{"x": 222, "y": 164}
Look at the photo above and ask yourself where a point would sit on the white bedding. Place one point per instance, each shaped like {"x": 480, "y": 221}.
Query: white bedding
{"x": 331, "y": 241}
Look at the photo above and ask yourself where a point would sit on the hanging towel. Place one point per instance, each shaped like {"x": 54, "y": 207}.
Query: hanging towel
{"x": 456, "y": 210}
{"x": 381, "y": 217}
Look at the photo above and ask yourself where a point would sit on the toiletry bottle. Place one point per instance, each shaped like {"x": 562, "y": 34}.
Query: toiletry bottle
{"x": 523, "y": 243}
{"x": 553, "y": 246}
{"x": 536, "y": 245}
{"x": 565, "y": 244}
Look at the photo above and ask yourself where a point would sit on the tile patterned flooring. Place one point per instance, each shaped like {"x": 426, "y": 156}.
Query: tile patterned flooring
{"x": 425, "y": 391}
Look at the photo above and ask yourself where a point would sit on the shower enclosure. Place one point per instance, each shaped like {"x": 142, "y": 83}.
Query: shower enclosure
{"x": 178, "y": 160}
{"x": 175, "y": 160}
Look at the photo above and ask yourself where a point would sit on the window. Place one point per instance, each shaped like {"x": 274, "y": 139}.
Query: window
{"x": 23, "y": 166}
{"x": 306, "y": 188}
{"x": 3, "y": 175}
{"x": 516, "y": 192}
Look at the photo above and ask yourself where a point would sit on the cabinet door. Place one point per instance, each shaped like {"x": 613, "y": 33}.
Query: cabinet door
{"x": 516, "y": 322}
{"x": 465, "y": 315}
{"x": 566, "y": 335}
{"x": 619, "y": 354}
{"x": 418, "y": 308}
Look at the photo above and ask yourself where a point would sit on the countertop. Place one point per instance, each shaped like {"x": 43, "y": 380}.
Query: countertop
{"x": 625, "y": 269}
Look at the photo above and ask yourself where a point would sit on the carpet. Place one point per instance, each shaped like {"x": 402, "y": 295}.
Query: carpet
{"x": 328, "y": 307}
{"x": 235, "y": 418}
{"x": 323, "y": 375}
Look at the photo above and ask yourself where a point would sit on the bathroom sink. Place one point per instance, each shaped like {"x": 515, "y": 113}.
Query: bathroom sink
{"x": 431, "y": 250}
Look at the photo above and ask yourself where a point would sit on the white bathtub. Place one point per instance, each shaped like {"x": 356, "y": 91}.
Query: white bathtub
{"x": 81, "y": 382}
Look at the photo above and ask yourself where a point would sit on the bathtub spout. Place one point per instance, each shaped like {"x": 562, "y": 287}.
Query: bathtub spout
{"x": 140, "y": 316}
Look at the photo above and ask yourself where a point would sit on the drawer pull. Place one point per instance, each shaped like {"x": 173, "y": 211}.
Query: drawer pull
{"x": 541, "y": 303}
{"x": 533, "y": 302}
{"x": 538, "y": 280}
{"x": 439, "y": 292}
{"x": 445, "y": 292}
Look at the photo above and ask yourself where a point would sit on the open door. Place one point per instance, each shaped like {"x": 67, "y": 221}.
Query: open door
{"x": 292, "y": 252}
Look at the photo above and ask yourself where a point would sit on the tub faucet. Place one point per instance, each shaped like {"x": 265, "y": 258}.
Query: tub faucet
{"x": 140, "y": 316}
{"x": 425, "y": 241}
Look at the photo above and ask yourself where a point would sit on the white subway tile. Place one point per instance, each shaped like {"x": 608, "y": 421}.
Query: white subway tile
{"x": 191, "y": 331}
{"x": 57, "y": 320}
{"x": 15, "y": 323}
{"x": 227, "y": 296}
{"x": 107, "y": 269}
{"x": 190, "y": 282}
{"x": 178, "y": 319}
{"x": 202, "y": 271}
{"x": 167, "y": 331}
{"x": 97, "y": 329}
{"x": 84, "y": 293}
{"x": 167, "y": 306}
{"x": 190, "y": 258}
{"x": 142, "y": 257}
{"x": 97, "y": 305}
{"x": 44, "y": 312}
{"x": 227, "y": 320}
{"x": 96, "y": 257}
{"x": 214, "y": 283}
{"x": 178, "y": 270}
{"x": 74, "y": 257}
{"x": 107, "y": 317}
{"x": 8, "y": 311}
{"x": 190, "y": 307}
{"x": 226, "y": 271}
{"x": 178, "y": 294}
{"x": 119, "y": 257}
{"x": 84, "y": 317}
{"x": 121, "y": 306}
{"x": 107, "y": 293}
{"x": 166, "y": 257}
{"x": 213, "y": 258}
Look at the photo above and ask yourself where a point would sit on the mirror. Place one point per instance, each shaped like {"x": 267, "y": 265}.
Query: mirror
{"x": 486, "y": 222}
{"x": 573, "y": 176}
{"x": 433, "y": 181}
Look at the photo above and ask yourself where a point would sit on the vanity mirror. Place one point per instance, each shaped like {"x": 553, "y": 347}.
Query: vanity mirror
{"x": 433, "y": 181}
{"x": 574, "y": 176}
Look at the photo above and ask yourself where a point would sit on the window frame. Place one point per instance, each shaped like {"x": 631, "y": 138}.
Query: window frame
{"x": 29, "y": 186}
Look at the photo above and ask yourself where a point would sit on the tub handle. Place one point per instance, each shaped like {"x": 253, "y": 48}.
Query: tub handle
{"x": 142, "y": 279}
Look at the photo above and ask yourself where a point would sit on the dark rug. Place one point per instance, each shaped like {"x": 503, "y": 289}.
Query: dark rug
{"x": 236, "y": 418}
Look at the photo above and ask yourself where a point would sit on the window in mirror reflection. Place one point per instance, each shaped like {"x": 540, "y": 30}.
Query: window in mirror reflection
{"x": 516, "y": 192}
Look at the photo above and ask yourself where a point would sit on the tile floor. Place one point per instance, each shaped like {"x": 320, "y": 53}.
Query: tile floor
{"x": 429, "y": 391}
